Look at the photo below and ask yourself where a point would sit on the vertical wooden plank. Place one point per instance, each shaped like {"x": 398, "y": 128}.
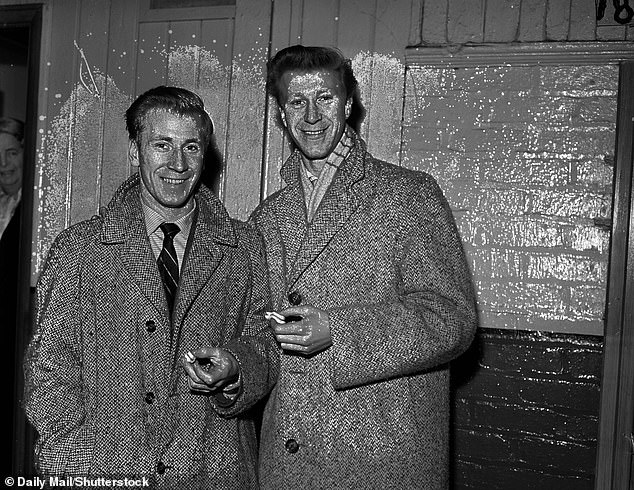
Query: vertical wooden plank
{"x": 465, "y": 20}
{"x": 119, "y": 92}
{"x": 557, "y": 20}
{"x": 213, "y": 86}
{"x": 501, "y": 20}
{"x": 43, "y": 129}
{"x": 90, "y": 102}
{"x": 242, "y": 178}
{"x": 383, "y": 76}
{"x": 532, "y": 20}
{"x": 53, "y": 163}
{"x": 319, "y": 23}
{"x": 392, "y": 27}
{"x": 184, "y": 58}
{"x": 356, "y": 26}
{"x": 286, "y": 26}
{"x": 281, "y": 23}
{"x": 217, "y": 38}
{"x": 151, "y": 69}
{"x": 435, "y": 21}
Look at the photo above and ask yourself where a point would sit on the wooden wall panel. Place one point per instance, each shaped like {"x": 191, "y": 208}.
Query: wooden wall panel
{"x": 319, "y": 23}
{"x": 151, "y": 68}
{"x": 53, "y": 173}
{"x": 183, "y": 70}
{"x": 281, "y": 27}
{"x": 214, "y": 78}
{"x": 217, "y": 37}
{"x": 242, "y": 177}
{"x": 362, "y": 15}
{"x": 119, "y": 91}
{"x": 89, "y": 106}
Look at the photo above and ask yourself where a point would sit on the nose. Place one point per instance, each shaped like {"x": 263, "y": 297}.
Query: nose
{"x": 3, "y": 160}
{"x": 178, "y": 161}
{"x": 312, "y": 114}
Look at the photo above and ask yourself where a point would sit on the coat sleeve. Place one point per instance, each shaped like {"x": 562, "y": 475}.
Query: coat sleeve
{"x": 429, "y": 319}
{"x": 54, "y": 398}
{"x": 255, "y": 349}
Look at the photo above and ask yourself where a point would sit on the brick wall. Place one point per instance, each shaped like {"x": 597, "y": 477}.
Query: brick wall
{"x": 525, "y": 157}
{"x": 525, "y": 411}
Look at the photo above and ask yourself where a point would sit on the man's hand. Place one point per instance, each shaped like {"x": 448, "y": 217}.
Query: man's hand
{"x": 210, "y": 369}
{"x": 309, "y": 335}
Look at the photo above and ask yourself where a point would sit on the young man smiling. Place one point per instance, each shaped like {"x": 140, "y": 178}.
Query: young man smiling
{"x": 125, "y": 301}
{"x": 367, "y": 255}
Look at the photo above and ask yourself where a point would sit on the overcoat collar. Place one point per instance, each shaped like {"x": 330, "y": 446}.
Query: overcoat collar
{"x": 348, "y": 190}
{"x": 124, "y": 226}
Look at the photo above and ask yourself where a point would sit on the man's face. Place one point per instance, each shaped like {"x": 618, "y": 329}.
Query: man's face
{"x": 10, "y": 163}
{"x": 169, "y": 152}
{"x": 314, "y": 110}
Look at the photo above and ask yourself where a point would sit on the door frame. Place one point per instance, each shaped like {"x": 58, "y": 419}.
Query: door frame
{"x": 615, "y": 443}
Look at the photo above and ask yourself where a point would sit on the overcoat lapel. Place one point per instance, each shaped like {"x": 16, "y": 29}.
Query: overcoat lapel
{"x": 124, "y": 228}
{"x": 348, "y": 190}
{"x": 291, "y": 213}
{"x": 212, "y": 233}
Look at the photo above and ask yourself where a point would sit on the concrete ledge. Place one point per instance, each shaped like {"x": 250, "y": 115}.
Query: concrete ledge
{"x": 518, "y": 54}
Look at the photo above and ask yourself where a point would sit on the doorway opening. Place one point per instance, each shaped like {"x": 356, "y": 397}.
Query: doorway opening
{"x": 20, "y": 35}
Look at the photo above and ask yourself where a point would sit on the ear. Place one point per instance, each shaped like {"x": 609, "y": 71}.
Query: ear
{"x": 133, "y": 153}
{"x": 348, "y": 107}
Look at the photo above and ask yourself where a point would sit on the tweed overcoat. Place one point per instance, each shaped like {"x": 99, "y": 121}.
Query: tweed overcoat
{"x": 104, "y": 385}
{"x": 383, "y": 257}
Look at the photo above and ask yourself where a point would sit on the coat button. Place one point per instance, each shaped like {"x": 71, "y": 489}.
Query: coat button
{"x": 292, "y": 446}
{"x": 149, "y": 397}
{"x": 150, "y": 325}
{"x": 294, "y": 298}
{"x": 160, "y": 467}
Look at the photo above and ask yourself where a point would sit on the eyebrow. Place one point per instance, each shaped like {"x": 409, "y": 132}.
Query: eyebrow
{"x": 170, "y": 139}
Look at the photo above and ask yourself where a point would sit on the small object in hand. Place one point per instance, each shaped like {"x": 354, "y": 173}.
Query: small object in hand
{"x": 275, "y": 316}
{"x": 279, "y": 318}
{"x": 189, "y": 357}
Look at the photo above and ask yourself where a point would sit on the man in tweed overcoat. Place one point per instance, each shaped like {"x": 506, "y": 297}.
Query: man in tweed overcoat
{"x": 106, "y": 389}
{"x": 367, "y": 253}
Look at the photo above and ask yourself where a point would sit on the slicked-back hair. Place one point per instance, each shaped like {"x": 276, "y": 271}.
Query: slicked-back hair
{"x": 176, "y": 100}
{"x": 12, "y": 126}
{"x": 308, "y": 58}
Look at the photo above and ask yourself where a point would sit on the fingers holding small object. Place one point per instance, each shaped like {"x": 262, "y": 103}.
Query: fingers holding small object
{"x": 194, "y": 386}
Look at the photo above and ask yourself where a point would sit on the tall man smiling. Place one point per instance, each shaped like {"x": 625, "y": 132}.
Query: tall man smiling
{"x": 368, "y": 255}
{"x": 123, "y": 298}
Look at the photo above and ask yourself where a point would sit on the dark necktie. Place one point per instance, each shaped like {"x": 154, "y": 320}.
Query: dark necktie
{"x": 168, "y": 262}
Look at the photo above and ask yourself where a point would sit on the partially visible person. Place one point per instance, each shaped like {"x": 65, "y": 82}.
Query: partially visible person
{"x": 124, "y": 296}
{"x": 11, "y": 156}
{"x": 11, "y": 163}
{"x": 366, "y": 256}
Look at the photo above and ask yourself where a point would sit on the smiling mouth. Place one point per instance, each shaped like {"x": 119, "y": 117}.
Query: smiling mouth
{"x": 173, "y": 181}
{"x": 314, "y": 133}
